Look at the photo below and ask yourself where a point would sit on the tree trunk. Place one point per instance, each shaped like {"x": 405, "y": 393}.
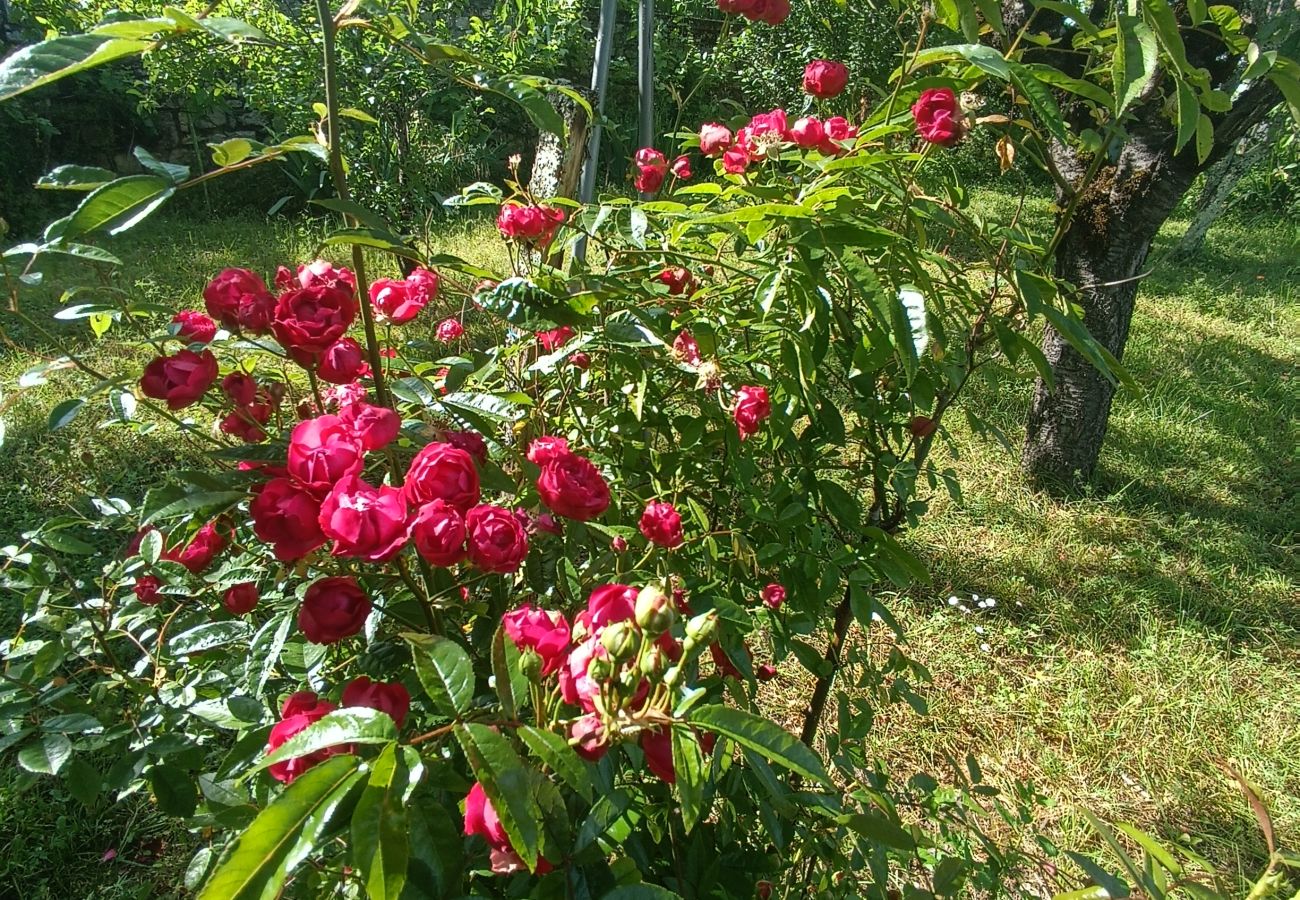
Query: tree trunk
{"x": 1101, "y": 254}
{"x": 1220, "y": 181}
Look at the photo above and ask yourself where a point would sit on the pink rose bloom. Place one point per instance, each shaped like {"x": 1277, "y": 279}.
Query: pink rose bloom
{"x": 768, "y": 128}
{"x": 808, "y": 132}
{"x": 321, "y": 273}
{"x": 652, "y": 170}
{"x": 441, "y": 471}
{"x": 309, "y": 320}
{"x": 364, "y": 522}
{"x": 661, "y": 524}
{"x": 496, "y": 541}
{"x": 391, "y": 698}
{"x": 576, "y": 686}
{"x": 194, "y": 327}
{"x": 286, "y": 516}
{"x": 438, "y": 533}
{"x": 589, "y": 737}
{"x": 343, "y": 362}
{"x": 824, "y": 78}
{"x": 938, "y": 117}
{"x": 838, "y": 130}
{"x": 573, "y": 487}
{"x": 607, "y": 604}
{"x": 300, "y": 711}
{"x": 752, "y": 407}
{"x": 714, "y": 139}
{"x": 681, "y": 168}
{"x": 449, "y": 330}
{"x": 735, "y": 161}
{"x": 422, "y": 285}
{"x": 533, "y": 225}
{"x": 322, "y": 451}
{"x": 238, "y": 298}
{"x": 375, "y": 427}
{"x": 482, "y": 819}
{"x": 396, "y": 302}
{"x": 773, "y": 596}
{"x": 686, "y": 349}
{"x": 546, "y": 632}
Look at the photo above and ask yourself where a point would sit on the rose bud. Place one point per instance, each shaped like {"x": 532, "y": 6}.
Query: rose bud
{"x": 773, "y": 596}
{"x": 333, "y": 609}
{"x": 618, "y": 544}
{"x": 654, "y": 611}
{"x": 824, "y": 78}
{"x": 619, "y": 640}
{"x": 194, "y": 327}
{"x": 700, "y": 630}
{"x": 589, "y": 737}
{"x": 147, "y": 588}
{"x": 808, "y": 132}
{"x": 765, "y": 672}
{"x": 580, "y": 361}
{"x": 681, "y": 168}
{"x": 241, "y": 598}
{"x": 763, "y": 890}
{"x": 938, "y": 117}
{"x": 449, "y": 330}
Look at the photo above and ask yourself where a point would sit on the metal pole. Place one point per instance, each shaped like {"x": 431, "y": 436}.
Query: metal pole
{"x": 599, "y": 84}
{"x": 646, "y": 69}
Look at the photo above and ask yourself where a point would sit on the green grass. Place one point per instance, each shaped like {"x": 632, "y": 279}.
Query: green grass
{"x": 1142, "y": 631}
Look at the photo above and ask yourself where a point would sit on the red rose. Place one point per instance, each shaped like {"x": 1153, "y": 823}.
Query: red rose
{"x": 661, "y": 524}
{"x": 441, "y": 471}
{"x": 577, "y": 687}
{"x": 364, "y": 522}
{"x": 395, "y": 302}
{"x": 470, "y": 441}
{"x": 241, "y": 598}
{"x": 240, "y": 388}
{"x": 722, "y": 662}
{"x": 300, "y": 711}
{"x": 449, "y": 330}
{"x": 555, "y": 338}
{"x": 652, "y": 169}
{"x": 657, "y": 746}
{"x": 773, "y": 12}
{"x": 534, "y": 225}
{"x": 808, "y": 132}
{"x": 824, "y": 78}
{"x": 375, "y": 427}
{"x": 238, "y": 298}
{"x": 286, "y": 516}
{"x": 679, "y": 281}
{"x": 481, "y": 818}
{"x": 573, "y": 487}
{"x": 309, "y": 320}
{"x": 687, "y": 349}
{"x": 546, "y": 632}
{"x": 179, "y": 379}
{"x": 752, "y": 407}
{"x": 714, "y": 139}
{"x": 147, "y": 588}
{"x": 422, "y": 285}
{"x": 765, "y": 672}
{"x": 735, "y": 160}
{"x": 333, "y": 609}
{"x": 773, "y": 596}
{"x": 607, "y": 604}
{"x": 589, "y": 737}
{"x": 580, "y": 361}
{"x": 202, "y": 549}
{"x": 496, "y": 540}
{"x": 389, "y": 698}
{"x": 343, "y": 362}
{"x": 194, "y": 327}
{"x": 246, "y": 422}
{"x": 319, "y": 273}
{"x": 938, "y": 117}
{"x": 438, "y": 533}
{"x": 738, "y": 7}
{"x": 546, "y": 448}
{"x": 322, "y": 451}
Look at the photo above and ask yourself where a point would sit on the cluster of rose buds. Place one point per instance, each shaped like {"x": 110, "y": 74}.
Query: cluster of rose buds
{"x": 196, "y": 555}
{"x": 653, "y": 168}
{"x": 767, "y": 134}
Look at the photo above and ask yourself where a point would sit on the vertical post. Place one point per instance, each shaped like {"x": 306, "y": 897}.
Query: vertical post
{"x": 646, "y": 69}
{"x": 599, "y": 85}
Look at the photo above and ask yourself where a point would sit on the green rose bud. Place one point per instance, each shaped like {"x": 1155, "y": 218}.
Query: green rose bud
{"x": 654, "y": 611}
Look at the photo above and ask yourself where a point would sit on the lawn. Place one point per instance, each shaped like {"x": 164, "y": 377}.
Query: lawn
{"x": 1141, "y": 632}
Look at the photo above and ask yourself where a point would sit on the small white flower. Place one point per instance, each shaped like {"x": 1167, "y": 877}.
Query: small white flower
{"x": 991, "y": 603}
{"x": 979, "y": 629}
{"x": 953, "y": 601}
{"x": 985, "y": 647}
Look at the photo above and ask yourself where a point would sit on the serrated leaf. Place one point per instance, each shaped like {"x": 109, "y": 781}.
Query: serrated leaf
{"x": 507, "y": 785}
{"x": 380, "y": 846}
{"x": 763, "y": 736}
{"x": 1134, "y": 63}
{"x": 555, "y": 751}
{"x": 378, "y": 238}
{"x": 255, "y": 864}
{"x": 351, "y": 725}
{"x": 692, "y": 774}
{"x": 521, "y": 302}
{"x": 984, "y": 58}
{"x": 47, "y": 755}
{"x": 174, "y": 790}
{"x": 206, "y": 636}
{"x": 501, "y": 673}
{"x": 445, "y": 671}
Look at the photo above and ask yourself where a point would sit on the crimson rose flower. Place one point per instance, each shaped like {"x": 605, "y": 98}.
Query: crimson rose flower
{"x": 194, "y": 327}
{"x": 286, "y": 516}
{"x": 661, "y": 524}
{"x": 607, "y": 604}
{"x": 687, "y": 349}
{"x": 343, "y": 362}
{"x": 300, "y": 711}
{"x": 752, "y": 407}
{"x": 238, "y": 298}
{"x": 322, "y": 451}
{"x": 374, "y": 426}
{"x": 449, "y": 330}
{"x": 938, "y": 117}
{"x": 470, "y": 441}
{"x": 838, "y": 130}
{"x": 573, "y": 487}
{"x": 240, "y": 598}
{"x": 389, "y": 698}
{"x": 441, "y": 471}
{"x": 546, "y": 632}
{"x": 555, "y": 338}
{"x": 735, "y": 160}
{"x": 202, "y": 549}
{"x": 482, "y": 819}
{"x": 438, "y": 533}
{"x": 396, "y": 302}
{"x": 714, "y": 139}
{"x": 652, "y": 169}
{"x": 497, "y": 541}
{"x": 364, "y": 522}
{"x": 179, "y": 379}
{"x": 546, "y": 448}
{"x": 240, "y": 387}
{"x": 309, "y": 320}
{"x": 681, "y": 168}
{"x": 320, "y": 273}
{"x": 808, "y": 132}
{"x": 147, "y": 589}
{"x": 773, "y": 596}
{"x": 422, "y": 285}
{"x": 679, "y": 281}
{"x": 658, "y": 749}
{"x": 333, "y": 609}
{"x": 533, "y": 225}
{"x": 824, "y": 78}
{"x": 246, "y": 422}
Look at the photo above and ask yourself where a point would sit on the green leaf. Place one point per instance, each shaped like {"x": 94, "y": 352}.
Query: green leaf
{"x": 1290, "y": 88}
{"x": 118, "y": 205}
{"x": 1188, "y": 109}
{"x": 1058, "y": 79}
{"x": 58, "y": 57}
{"x": 1041, "y": 100}
{"x": 641, "y": 892}
{"x": 984, "y": 58}
{"x": 445, "y": 670}
{"x": 555, "y": 751}
{"x": 349, "y": 112}
{"x": 763, "y": 736}
{"x": 65, "y": 412}
{"x": 1157, "y": 850}
{"x": 533, "y": 102}
{"x": 208, "y": 635}
{"x": 692, "y": 774}
{"x": 1160, "y": 16}
{"x": 174, "y": 790}
{"x": 379, "y": 238}
{"x": 366, "y": 217}
{"x": 171, "y": 171}
{"x": 46, "y": 756}
{"x": 501, "y": 673}
{"x": 208, "y": 502}
{"x": 876, "y": 828}
{"x": 232, "y": 151}
{"x": 1069, "y": 12}
{"x": 436, "y": 53}
{"x": 507, "y": 784}
{"x": 437, "y": 852}
{"x": 380, "y": 846}
{"x": 521, "y": 302}
{"x": 75, "y": 178}
{"x": 1134, "y": 64}
{"x": 256, "y": 863}
{"x": 351, "y": 725}
{"x": 83, "y": 781}
{"x": 1204, "y": 138}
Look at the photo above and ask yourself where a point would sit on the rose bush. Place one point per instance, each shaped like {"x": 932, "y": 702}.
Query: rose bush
{"x": 497, "y": 616}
